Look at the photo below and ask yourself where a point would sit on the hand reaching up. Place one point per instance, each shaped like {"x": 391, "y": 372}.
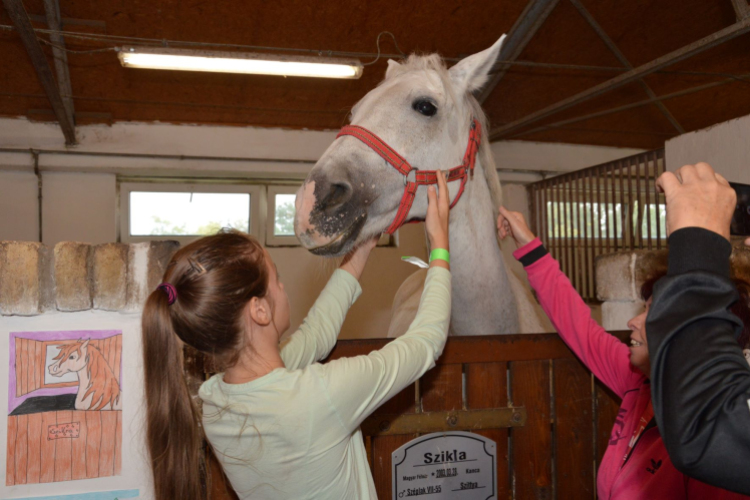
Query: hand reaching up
{"x": 514, "y": 225}
{"x": 438, "y": 214}
{"x": 355, "y": 260}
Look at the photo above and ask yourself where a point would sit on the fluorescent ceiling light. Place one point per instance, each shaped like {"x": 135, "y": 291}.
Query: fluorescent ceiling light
{"x": 235, "y": 62}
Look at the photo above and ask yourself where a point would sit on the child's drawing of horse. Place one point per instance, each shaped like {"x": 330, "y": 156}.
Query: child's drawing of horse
{"x": 97, "y": 386}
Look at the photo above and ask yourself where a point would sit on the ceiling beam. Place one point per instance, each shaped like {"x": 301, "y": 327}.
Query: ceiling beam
{"x": 23, "y": 26}
{"x": 52, "y": 11}
{"x": 632, "y": 105}
{"x": 728, "y": 33}
{"x": 621, "y": 57}
{"x": 522, "y": 31}
{"x": 741, "y": 8}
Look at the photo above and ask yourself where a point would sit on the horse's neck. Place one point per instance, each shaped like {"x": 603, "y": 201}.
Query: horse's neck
{"x": 83, "y": 376}
{"x": 483, "y": 302}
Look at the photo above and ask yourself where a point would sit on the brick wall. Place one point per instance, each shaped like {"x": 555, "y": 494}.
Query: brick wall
{"x": 35, "y": 278}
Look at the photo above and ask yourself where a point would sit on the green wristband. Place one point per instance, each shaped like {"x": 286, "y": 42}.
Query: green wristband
{"x": 440, "y": 253}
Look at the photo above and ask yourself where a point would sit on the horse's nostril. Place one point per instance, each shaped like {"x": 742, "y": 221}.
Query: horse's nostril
{"x": 338, "y": 194}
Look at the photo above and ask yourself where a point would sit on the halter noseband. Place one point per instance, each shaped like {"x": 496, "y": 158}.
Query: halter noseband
{"x": 421, "y": 177}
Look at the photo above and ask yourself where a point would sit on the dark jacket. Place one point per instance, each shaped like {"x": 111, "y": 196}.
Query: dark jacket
{"x": 700, "y": 380}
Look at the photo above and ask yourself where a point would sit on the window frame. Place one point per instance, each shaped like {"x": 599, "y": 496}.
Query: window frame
{"x": 271, "y": 239}
{"x": 256, "y": 192}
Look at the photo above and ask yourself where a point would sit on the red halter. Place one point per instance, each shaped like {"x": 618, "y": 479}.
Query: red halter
{"x": 421, "y": 177}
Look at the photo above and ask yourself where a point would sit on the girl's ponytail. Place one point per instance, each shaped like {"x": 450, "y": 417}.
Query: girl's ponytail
{"x": 173, "y": 431}
{"x": 210, "y": 282}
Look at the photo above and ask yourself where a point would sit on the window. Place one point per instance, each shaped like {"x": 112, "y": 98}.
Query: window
{"x": 280, "y": 227}
{"x": 184, "y": 212}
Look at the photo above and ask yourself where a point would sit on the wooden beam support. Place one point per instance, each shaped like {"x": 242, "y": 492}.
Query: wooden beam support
{"x": 52, "y": 11}
{"x": 621, "y": 57}
{"x": 632, "y": 105}
{"x": 20, "y": 19}
{"x": 522, "y": 31}
{"x": 728, "y": 33}
{"x": 741, "y": 8}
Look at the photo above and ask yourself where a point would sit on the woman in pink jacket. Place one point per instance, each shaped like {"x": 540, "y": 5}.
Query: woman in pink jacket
{"x": 636, "y": 464}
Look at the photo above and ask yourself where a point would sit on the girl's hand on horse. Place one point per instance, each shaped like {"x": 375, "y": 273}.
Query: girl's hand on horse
{"x": 514, "y": 225}
{"x": 438, "y": 213}
{"x": 355, "y": 260}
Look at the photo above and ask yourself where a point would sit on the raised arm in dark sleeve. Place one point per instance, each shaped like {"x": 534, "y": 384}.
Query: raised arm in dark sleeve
{"x": 700, "y": 379}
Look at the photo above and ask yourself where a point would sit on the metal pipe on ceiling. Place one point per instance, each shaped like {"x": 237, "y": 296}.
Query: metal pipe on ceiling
{"x": 520, "y": 34}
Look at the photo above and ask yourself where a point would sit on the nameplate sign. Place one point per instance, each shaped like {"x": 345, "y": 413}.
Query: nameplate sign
{"x": 446, "y": 465}
{"x": 69, "y": 430}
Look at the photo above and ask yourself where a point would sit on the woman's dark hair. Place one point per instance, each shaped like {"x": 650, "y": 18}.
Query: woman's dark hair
{"x": 215, "y": 278}
{"x": 741, "y": 308}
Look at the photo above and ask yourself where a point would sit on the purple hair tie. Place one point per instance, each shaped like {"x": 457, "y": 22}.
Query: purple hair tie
{"x": 170, "y": 290}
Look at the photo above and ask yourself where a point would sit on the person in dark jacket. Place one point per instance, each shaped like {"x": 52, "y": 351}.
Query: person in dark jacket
{"x": 700, "y": 380}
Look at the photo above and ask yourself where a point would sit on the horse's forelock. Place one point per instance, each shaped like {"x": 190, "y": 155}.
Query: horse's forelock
{"x": 66, "y": 349}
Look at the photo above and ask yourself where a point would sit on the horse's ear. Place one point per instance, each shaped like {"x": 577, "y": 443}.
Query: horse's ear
{"x": 471, "y": 73}
{"x": 85, "y": 344}
{"x": 392, "y": 65}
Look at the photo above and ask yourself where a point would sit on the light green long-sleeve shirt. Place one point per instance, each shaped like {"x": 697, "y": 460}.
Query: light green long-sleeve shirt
{"x": 294, "y": 433}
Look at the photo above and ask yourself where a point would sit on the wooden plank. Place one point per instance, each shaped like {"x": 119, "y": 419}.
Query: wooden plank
{"x": 17, "y": 373}
{"x": 24, "y": 368}
{"x": 475, "y": 349}
{"x": 22, "y": 448}
{"x": 49, "y": 448}
{"x": 64, "y": 452}
{"x": 487, "y": 387}
{"x": 35, "y": 448}
{"x": 112, "y": 352}
{"x": 532, "y": 463}
{"x": 107, "y": 454}
{"x": 39, "y": 365}
{"x": 78, "y": 447}
{"x": 383, "y": 446}
{"x": 93, "y": 443}
{"x": 118, "y": 357}
{"x": 574, "y": 429}
{"x": 10, "y": 457}
{"x": 118, "y": 444}
{"x": 441, "y": 388}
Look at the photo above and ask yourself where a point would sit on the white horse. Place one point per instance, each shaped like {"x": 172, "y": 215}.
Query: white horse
{"x": 424, "y": 112}
{"x": 97, "y": 386}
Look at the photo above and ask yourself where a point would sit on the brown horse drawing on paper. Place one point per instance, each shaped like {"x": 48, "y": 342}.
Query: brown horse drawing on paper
{"x": 98, "y": 388}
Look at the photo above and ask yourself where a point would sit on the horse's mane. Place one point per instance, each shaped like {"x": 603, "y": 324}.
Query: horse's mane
{"x": 103, "y": 385}
{"x": 433, "y": 62}
{"x": 67, "y": 349}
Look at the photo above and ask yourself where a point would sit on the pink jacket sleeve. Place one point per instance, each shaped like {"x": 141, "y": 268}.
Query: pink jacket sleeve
{"x": 605, "y": 355}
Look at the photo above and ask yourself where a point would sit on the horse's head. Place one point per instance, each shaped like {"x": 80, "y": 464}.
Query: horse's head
{"x": 71, "y": 358}
{"x": 424, "y": 112}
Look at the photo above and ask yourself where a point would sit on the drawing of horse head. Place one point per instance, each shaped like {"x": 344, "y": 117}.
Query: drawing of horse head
{"x": 71, "y": 358}
{"x": 98, "y": 388}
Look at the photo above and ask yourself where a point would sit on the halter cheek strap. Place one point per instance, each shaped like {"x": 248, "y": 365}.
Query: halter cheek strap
{"x": 421, "y": 177}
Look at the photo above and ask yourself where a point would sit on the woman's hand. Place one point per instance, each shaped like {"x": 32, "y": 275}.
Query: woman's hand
{"x": 355, "y": 260}
{"x": 438, "y": 214}
{"x": 513, "y": 224}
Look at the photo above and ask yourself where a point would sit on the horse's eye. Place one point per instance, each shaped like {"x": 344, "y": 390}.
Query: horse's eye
{"x": 425, "y": 107}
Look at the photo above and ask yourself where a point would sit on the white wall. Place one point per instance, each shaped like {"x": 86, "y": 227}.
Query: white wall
{"x": 19, "y": 206}
{"x": 725, "y": 146}
{"x": 79, "y": 207}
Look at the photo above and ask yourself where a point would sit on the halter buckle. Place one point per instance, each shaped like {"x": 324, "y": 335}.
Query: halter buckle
{"x": 406, "y": 177}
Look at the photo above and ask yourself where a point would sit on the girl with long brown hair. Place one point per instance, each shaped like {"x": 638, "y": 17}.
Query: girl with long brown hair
{"x": 281, "y": 424}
